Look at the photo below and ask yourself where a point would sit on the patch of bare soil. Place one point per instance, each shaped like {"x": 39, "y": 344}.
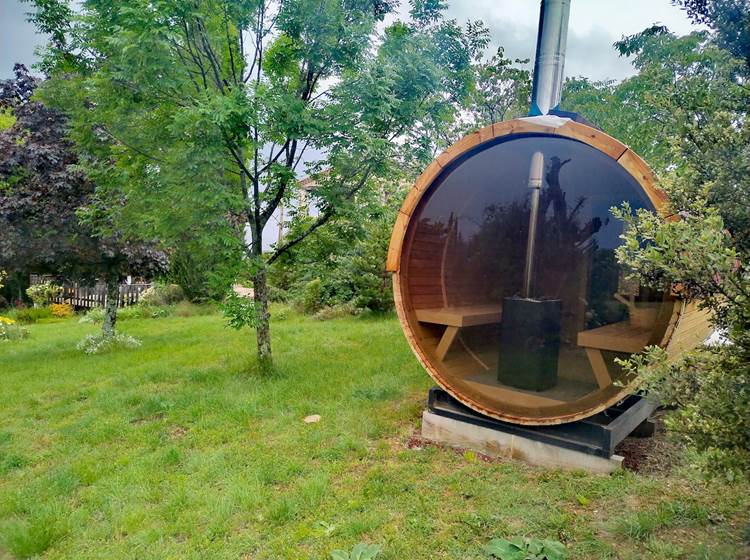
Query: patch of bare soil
{"x": 651, "y": 455}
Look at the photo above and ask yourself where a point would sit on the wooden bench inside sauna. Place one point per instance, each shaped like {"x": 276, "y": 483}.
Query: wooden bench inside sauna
{"x": 460, "y": 255}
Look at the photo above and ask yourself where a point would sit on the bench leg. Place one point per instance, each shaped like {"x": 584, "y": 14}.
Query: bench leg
{"x": 446, "y": 341}
{"x": 601, "y": 372}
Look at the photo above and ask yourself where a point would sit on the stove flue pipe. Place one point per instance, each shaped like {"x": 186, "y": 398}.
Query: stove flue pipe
{"x": 551, "y": 42}
{"x": 545, "y": 96}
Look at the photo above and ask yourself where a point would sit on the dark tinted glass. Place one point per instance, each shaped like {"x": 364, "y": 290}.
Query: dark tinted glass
{"x": 464, "y": 270}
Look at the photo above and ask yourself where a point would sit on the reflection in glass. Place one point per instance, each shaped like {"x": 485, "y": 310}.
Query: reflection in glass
{"x": 466, "y": 253}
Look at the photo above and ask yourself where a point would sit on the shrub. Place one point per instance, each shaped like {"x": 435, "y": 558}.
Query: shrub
{"x": 239, "y": 311}
{"x": 334, "y": 269}
{"x": 162, "y": 294}
{"x": 99, "y": 343}
{"x": 277, "y": 295}
{"x": 42, "y": 294}
{"x": 61, "y": 310}
{"x": 33, "y": 314}
{"x": 94, "y": 315}
{"x": 10, "y": 331}
{"x": 336, "y": 311}
{"x": 708, "y": 387}
{"x": 280, "y": 312}
{"x": 312, "y": 296}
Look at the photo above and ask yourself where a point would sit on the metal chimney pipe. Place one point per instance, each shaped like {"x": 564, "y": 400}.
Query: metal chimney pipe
{"x": 536, "y": 178}
{"x": 551, "y": 42}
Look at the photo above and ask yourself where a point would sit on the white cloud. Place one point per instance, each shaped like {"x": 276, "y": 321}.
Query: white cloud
{"x": 593, "y": 28}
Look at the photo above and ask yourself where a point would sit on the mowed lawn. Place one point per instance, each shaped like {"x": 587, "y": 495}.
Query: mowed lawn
{"x": 182, "y": 449}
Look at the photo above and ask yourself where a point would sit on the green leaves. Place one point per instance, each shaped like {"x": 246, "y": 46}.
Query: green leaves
{"x": 239, "y": 311}
{"x": 689, "y": 105}
{"x": 520, "y": 548}
{"x": 360, "y": 551}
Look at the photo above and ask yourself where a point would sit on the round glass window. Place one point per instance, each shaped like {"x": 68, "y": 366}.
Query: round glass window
{"x": 515, "y": 295}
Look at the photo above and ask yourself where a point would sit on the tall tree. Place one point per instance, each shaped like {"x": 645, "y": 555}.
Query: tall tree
{"x": 728, "y": 19}
{"x": 501, "y": 90}
{"x": 698, "y": 90}
{"x": 48, "y": 209}
{"x": 211, "y": 105}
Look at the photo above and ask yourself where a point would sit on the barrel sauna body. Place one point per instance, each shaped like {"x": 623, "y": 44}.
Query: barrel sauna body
{"x": 459, "y": 254}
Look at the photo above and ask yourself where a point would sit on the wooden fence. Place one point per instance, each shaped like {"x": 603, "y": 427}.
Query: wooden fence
{"x": 96, "y": 296}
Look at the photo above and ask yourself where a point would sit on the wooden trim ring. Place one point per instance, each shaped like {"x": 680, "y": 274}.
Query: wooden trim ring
{"x": 682, "y": 325}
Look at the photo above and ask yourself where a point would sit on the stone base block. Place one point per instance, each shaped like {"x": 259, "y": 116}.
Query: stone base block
{"x": 495, "y": 443}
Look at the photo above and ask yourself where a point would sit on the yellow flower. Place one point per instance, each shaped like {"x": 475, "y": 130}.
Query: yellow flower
{"x": 7, "y": 320}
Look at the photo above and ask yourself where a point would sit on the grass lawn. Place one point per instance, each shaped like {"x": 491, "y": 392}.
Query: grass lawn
{"x": 181, "y": 449}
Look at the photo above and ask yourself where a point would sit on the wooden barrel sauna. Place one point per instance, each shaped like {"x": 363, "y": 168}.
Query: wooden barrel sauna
{"x": 458, "y": 254}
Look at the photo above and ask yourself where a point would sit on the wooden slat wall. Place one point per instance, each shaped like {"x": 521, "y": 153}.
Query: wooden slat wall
{"x": 425, "y": 287}
{"x": 693, "y": 327}
{"x": 87, "y": 297}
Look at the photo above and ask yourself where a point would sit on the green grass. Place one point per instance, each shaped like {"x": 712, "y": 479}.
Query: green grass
{"x": 181, "y": 448}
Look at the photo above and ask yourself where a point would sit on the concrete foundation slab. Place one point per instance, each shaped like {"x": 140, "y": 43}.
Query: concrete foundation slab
{"x": 495, "y": 443}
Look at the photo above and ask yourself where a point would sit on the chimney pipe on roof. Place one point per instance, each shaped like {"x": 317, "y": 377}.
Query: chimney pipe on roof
{"x": 549, "y": 63}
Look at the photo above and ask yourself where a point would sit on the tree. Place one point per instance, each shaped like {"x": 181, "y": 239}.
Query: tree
{"x": 729, "y": 19}
{"x": 700, "y": 90}
{"x": 347, "y": 258}
{"x": 501, "y": 90}
{"x": 48, "y": 209}
{"x": 210, "y": 105}
{"x": 677, "y": 80}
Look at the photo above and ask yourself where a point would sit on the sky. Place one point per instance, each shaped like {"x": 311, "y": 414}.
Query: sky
{"x": 594, "y": 26}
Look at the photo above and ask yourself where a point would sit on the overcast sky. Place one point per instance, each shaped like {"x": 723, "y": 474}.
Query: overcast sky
{"x": 594, "y": 26}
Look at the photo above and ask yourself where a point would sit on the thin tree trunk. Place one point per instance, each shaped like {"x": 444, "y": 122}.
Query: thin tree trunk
{"x": 110, "y": 308}
{"x": 263, "y": 327}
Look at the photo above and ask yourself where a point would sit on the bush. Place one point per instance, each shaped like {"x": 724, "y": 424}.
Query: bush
{"x": 330, "y": 270}
{"x": 188, "y": 309}
{"x": 94, "y": 315}
{"x": 239, "y": 311}
{"x": 280, "y": 312}
{"x": 42, "y": 294}
{"x": 336, "y": 312}
{"x": 204, "y": 266}
{"x": 10, "y": 331}
{"x": 161, "y": 294}
{"x": 99, "y": 343}
{"x": 277, "y": 295}
{"x": 708, "y": 387}
{"x": 32, "y": 314}
{"x": 61, "y": 310}
{"x": 312, "y": 297}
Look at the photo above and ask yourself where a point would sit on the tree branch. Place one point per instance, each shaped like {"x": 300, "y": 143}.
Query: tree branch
{"x": 322, "y": 220}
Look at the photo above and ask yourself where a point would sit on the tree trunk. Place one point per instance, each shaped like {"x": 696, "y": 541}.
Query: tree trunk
{"x": 110, "y": 307}
{"x": 263, "y": 327}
